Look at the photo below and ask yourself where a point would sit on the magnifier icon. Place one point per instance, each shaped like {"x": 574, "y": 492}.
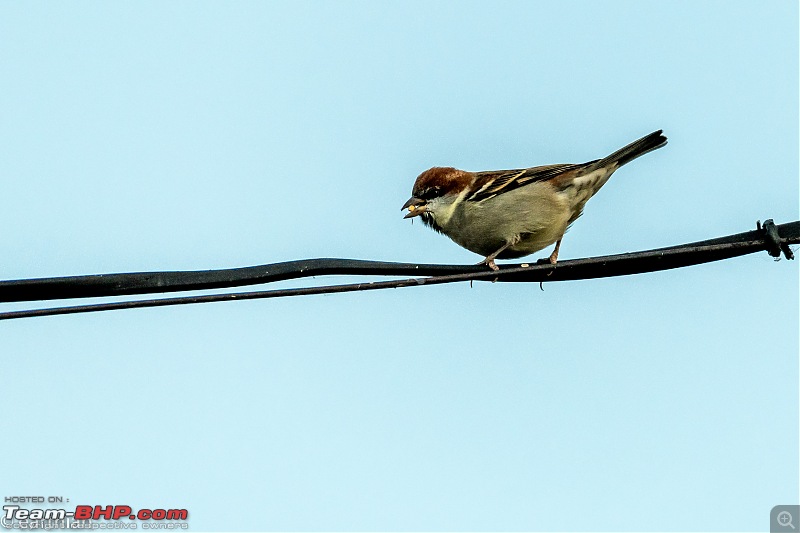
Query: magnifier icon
{"x": 785, "y": 519}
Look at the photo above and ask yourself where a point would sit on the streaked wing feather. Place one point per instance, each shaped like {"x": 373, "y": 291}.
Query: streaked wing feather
{"x": 493, "y": 182}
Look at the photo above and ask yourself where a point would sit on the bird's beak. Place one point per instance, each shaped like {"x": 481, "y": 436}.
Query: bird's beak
{"x": 415, "y": 206}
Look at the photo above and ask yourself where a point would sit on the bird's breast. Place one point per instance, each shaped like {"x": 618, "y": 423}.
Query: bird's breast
{"x": 535, "y": 216}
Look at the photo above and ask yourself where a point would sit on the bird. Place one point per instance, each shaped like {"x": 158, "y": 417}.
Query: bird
{"x": 507, "y": 214}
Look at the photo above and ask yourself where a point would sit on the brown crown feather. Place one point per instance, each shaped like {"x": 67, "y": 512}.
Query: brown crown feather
{"x": 438, "y": 181}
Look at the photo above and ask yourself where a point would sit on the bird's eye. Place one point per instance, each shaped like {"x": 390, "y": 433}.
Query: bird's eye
{"x": 429, "y": 194}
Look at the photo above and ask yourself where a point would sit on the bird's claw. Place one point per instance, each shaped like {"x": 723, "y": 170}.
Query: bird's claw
{"x": 490, "y": 263}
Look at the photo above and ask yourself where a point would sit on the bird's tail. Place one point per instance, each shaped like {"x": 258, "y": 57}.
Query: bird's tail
{"x": 648, "y": 143}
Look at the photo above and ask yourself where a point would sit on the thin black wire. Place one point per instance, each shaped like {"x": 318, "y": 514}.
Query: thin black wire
{"x": 589, "y": 268}
{"x": 210, "y": 298}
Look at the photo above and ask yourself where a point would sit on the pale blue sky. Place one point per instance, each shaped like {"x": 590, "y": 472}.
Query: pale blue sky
{"x": 166, "y": 136}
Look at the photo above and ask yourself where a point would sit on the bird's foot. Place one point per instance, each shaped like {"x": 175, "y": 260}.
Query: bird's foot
{"x": 554, "y": 256}
{"x": 489, "y": 261}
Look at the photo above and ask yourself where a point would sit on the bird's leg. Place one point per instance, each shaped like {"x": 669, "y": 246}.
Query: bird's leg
{"x": 554, "y": 256}
{"x": 489, "y": 261}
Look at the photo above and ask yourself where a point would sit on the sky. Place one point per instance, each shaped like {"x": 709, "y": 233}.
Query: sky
{"x": 142, "y": 136}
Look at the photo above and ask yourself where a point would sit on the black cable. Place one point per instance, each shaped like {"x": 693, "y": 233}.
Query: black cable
{"x": 589, "y": 268}
{"x": 101, "y": 285}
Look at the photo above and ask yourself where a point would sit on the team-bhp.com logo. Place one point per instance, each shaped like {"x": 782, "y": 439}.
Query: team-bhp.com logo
{"x": 114, "y": 517}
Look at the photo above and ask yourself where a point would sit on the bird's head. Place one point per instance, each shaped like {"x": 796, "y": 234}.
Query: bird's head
{"x": 435, "y": 188}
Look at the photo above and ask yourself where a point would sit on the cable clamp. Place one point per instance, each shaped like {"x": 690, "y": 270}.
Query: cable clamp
{"x": 772, "y": 240}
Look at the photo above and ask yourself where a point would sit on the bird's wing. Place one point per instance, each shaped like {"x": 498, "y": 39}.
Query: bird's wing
{"x": 490, "y": 183}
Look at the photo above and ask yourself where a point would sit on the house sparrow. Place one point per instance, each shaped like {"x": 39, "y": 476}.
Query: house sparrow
{"x": 504, "y": 214}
